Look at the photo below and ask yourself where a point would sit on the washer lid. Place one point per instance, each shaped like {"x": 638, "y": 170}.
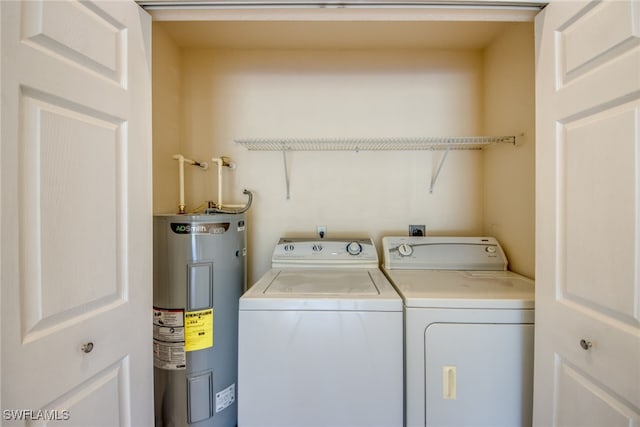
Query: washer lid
{"x": 463, "y": 289}
{"x": 321, "y": 283}
{"x": 322, "y": 289}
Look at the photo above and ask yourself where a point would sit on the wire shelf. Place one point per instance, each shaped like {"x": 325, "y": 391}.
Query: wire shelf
{"x": 445, "y": 144}
{"x": 373, "y": 144}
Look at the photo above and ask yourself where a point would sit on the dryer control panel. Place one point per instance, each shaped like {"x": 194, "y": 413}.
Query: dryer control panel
{"x": 443, "y": 253}
{"x": 300, "y": 252}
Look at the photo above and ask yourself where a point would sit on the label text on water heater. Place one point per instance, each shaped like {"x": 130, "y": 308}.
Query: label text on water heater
{"x": 207, "y": 228}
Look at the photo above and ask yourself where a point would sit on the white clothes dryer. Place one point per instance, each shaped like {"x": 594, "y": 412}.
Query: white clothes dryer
{"x": 469, "y": 329}
{"x": 320, "y": 340}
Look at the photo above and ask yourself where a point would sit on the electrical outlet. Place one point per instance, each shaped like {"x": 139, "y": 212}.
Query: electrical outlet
{"x": 321, "y": 231}
{"x": 417, "y": 230}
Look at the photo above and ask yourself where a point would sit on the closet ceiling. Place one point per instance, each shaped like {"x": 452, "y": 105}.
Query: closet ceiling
{"x": 332, "y": 35}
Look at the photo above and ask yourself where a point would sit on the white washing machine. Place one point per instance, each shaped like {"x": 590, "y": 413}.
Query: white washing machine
{"x": 320, "y": 340}
{"x": 469, "y": 327}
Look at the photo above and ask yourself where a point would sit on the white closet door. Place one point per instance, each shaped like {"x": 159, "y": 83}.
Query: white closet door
{"x": 587, "y": 368}
{"x": 76, "y": 213}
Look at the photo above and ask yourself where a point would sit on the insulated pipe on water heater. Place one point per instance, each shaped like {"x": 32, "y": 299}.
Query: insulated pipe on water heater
{"x": 181, "y": 161}
{"x": 222, "y": 162}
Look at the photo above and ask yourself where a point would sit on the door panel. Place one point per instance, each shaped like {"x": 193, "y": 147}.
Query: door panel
{"x": 59, "y": 148}
{"x": 104, "y": 393}
{"x": 597, "y": 33}
{"x": 587, "y": 219}
{"x": 64, "y": 28}
{"x": 76, "y": 212}
{"x": 598, "y": 192}
{"x": 577, "y": 391}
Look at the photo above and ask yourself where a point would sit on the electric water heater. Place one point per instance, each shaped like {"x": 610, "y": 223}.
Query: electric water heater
{"x": 198, "y": 277}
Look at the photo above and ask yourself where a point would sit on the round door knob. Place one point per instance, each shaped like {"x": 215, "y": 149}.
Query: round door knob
{"x": 87, "y": 347}
{"x": 585, "y": 344}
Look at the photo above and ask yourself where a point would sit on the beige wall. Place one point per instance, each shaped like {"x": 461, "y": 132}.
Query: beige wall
{"x": 166, "y": 120}
{"x": 217, "y": 96}
{"x": 509, "y": 176}
{"x": 274, "y": 93}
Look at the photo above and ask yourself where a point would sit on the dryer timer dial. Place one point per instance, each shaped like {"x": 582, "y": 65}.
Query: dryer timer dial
{"x": 405, "y": 250}
{"x": 354, "y": 248}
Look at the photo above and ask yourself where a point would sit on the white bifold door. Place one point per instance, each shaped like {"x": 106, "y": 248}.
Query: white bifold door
{"x": 587, "y": 361}
{"x": 76, "y": 214}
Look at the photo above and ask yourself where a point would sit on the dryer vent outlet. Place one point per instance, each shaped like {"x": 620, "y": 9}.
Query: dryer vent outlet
{"x": 417, "y": 230}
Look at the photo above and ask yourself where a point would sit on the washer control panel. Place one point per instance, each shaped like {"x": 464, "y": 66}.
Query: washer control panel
{"x": 443, "y": 253}
{"x": 325, "y": 252}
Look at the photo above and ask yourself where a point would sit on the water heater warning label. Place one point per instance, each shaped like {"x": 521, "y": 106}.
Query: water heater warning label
{"x": 198, "y": 326}
{"x": 168, "y": 339}
{"x": 168, "y": 355}
{"x": 225, "y": 398}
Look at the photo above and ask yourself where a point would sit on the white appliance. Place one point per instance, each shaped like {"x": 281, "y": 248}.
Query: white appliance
{"x": 320, "y": 340}
{"x": 469, "y": 326}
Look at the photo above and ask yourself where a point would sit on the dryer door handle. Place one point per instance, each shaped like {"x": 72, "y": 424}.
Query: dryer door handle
{"x": 449, "y": 380}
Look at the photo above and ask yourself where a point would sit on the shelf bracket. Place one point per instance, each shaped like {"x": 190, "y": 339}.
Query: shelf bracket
{"x": 434, "y": 177}
{"x": 286, "y": 170}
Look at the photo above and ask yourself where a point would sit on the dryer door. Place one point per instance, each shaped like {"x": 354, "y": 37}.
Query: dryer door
{"x": 478, "y": 374}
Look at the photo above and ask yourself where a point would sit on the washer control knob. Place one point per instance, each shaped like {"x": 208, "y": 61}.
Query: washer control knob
{"x": 405, "y": 250}
{"x": 490, "y": 249}
{"x": 354, "y": 248}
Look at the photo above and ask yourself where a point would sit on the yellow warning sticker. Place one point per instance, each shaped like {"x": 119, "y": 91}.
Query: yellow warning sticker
{"x": 198, "y": 329}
